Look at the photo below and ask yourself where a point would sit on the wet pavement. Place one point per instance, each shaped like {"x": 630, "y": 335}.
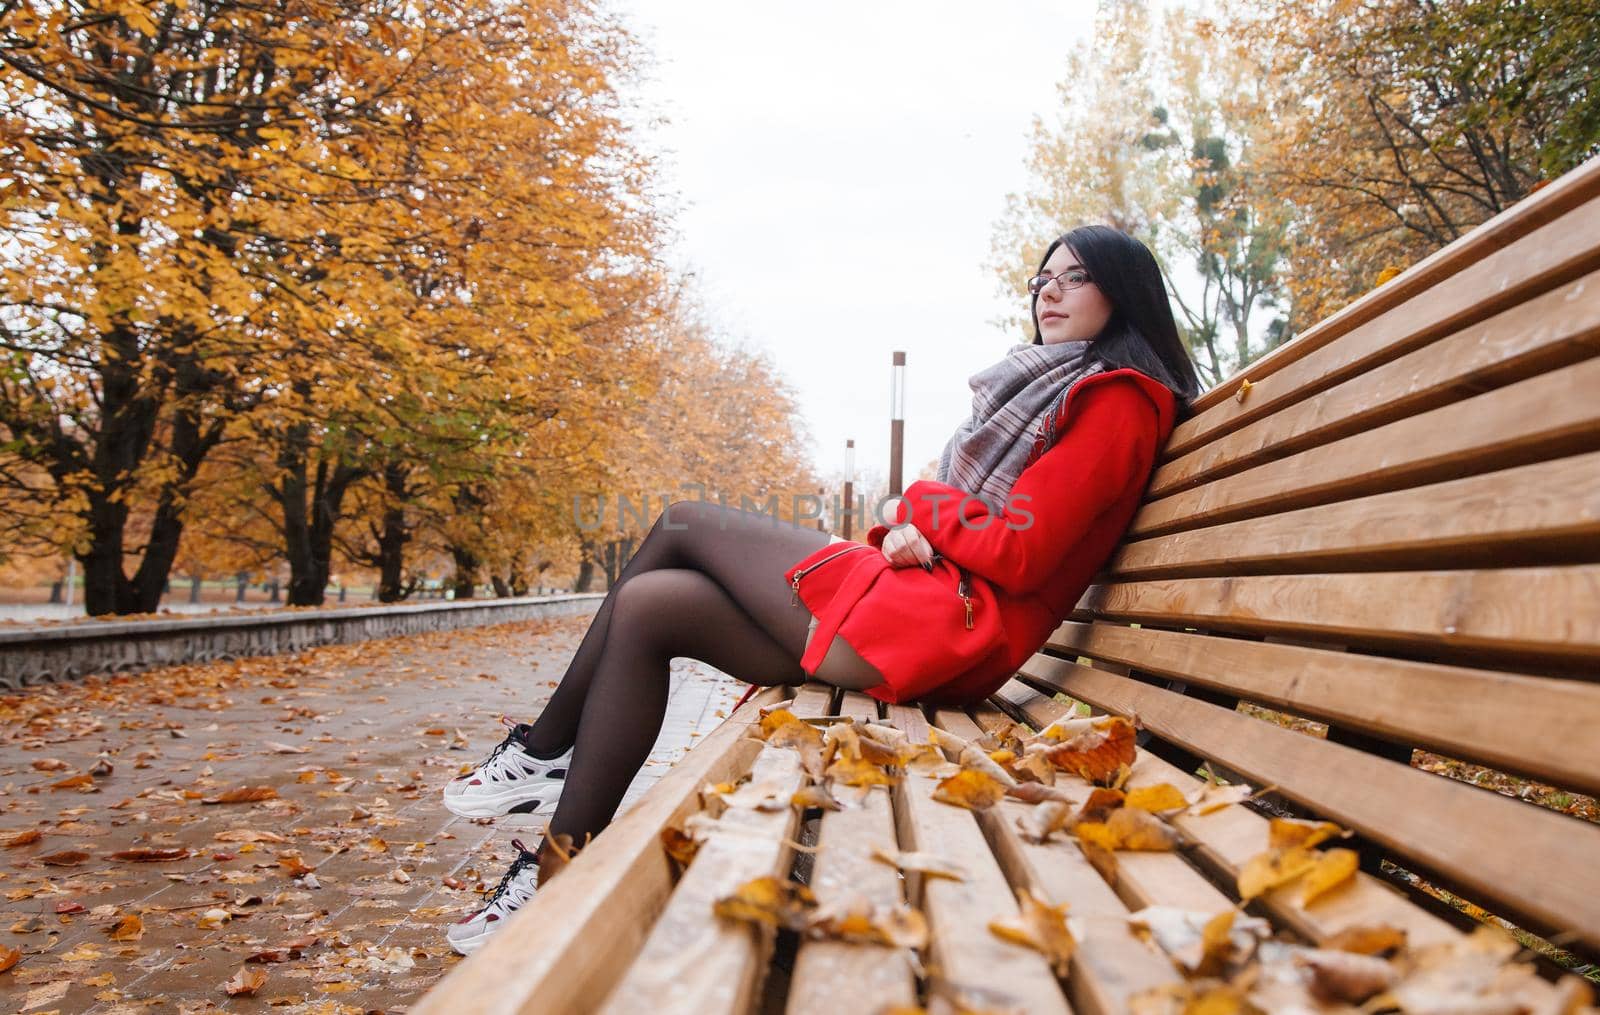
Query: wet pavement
{"x": 272, "y": 824}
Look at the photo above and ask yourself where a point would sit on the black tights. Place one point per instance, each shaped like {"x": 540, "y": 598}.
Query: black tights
{"x": 706, "y": 583}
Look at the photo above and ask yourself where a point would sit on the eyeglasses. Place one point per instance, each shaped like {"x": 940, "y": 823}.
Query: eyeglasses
{"x": 1067, "y": 281}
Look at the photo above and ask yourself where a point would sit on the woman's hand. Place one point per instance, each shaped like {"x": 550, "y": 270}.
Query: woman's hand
{"x": 906, "y": 547}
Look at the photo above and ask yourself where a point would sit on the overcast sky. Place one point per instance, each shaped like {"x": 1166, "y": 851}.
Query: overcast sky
{"x": 841, "y": 168}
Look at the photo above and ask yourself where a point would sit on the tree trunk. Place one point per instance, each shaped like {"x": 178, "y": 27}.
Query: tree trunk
{"x": 466, "y": 576}
{"x": 392, "y": 539}
{"x": 585, "y": 567}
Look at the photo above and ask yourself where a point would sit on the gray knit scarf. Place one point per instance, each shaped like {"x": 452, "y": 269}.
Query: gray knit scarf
{"x": 1015, "y": 410}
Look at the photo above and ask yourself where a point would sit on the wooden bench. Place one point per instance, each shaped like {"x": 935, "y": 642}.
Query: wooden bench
{"x": 1389, "y": 527}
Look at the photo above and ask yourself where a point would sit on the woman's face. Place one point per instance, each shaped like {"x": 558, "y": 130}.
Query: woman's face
{"x": 1073, "y": 316}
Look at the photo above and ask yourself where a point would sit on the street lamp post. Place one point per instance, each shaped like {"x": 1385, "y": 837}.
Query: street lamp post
{"x": 897, "y": 422}
{"x": 849, "y": 484}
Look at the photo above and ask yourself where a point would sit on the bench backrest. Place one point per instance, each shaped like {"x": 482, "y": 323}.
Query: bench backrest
{"x": 1391, "y": 526}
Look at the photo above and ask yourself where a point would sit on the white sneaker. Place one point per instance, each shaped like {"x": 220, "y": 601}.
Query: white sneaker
{"x": 516, "y": 887}
{"x": 509, "y": 780}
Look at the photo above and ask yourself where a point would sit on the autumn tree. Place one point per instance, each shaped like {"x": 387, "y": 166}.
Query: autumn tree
{"x": 1151, "y": 136}
{"x": 1399, "y": 125}
{"x": 228, "y": 218}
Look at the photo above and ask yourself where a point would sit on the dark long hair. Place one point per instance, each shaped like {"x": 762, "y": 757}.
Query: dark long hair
{"x": 1141, "y": 332}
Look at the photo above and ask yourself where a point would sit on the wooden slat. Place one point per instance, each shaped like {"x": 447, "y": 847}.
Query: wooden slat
{"x": 1547, "y": 416}
{"x": 1111, "y": 964}
{"x": 1540, "y": 513}
{"x": 1556, "y": 253}
{"x": 962, "y": 949}
{"x": 694, "y": 961}
{"x": 544, "y": 959}
{"x": 1540, "y": 727}
{"x": 1539, "y": 613}
{"x": 1562, "y": 195}
{"x": 1545, "y": 874}
{"x": 1226, "y": 839}
{"x": 833, "y": 976}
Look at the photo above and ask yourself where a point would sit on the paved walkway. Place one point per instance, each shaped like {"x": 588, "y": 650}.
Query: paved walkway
{"x": 350, "y": 745}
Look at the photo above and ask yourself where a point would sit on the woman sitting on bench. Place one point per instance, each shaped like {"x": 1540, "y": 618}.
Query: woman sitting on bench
{"x": 1033, "y": 493}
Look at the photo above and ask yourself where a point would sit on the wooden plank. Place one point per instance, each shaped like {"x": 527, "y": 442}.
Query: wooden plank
{"x": 1111, "y": 964}
{"x": 1226, "y": 839}
{"x": 1540, "y": 727}
{"x": 1543, "y": 417}
{"x": 694, "y": 961}
{"x": 1546, "y": 875}
{"x": 1545, "y": 205}
{"x": 1542, "y": 513}
{"x": 544, "y": 960}
{"x": 963, "y": 950}
{"x": 1540, "y": 613}
{"x": 834, "y": 976}
{"x": 1549, "y": 256}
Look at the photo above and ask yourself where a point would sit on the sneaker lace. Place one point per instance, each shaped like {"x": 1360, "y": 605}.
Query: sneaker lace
{"x": 500, "y": 748}
{"x": 525, "y": 859}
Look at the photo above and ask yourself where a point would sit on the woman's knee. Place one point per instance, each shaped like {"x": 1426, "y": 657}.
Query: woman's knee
{"x": 644, "y": 605}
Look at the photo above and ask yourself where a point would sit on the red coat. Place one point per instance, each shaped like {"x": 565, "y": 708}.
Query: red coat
{"x": 1025, "y": 577}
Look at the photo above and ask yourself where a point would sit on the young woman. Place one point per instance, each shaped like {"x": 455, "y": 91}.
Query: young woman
{"x": 1034, "y": 491}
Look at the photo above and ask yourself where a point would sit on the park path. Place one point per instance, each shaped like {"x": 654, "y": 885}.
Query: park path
{"x": 349, "y": 744}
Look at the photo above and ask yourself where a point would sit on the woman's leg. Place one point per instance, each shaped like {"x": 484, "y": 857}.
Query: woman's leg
{"x": 742, "y": 551}
{"x": 657, "y": 615}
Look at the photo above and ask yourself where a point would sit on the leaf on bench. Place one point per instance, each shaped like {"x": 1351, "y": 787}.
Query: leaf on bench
{"x": 1039, "y": 926}
{"x": 923, "y": 863}
{"x": 1102, "y": 755}
{"x": 815, "y": 796}
{"x": 783, "y": 729}
{"x": 769, "y": 901}
{"x": 1130, "y": 829}
{"x": 1290, "y": 855}
{"x": 970, "y": 788}
{"x": 1202, "y": 944}
{"x": 861, "y": 922}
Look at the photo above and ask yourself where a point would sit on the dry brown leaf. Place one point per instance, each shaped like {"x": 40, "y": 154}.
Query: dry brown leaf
{"x": 815, "y": 796}
{"x": 151, "y": 855}
{"x": 248, "y": 835}
{"x": 24, "y": 837}
{"x": 1130, "y": 829}
{"x": 970, "y": 788}
{"x": 1101, "y": 755}
{"x": 243, "y": 795}
{"x": 64, "y": 858}
{"x": 976, "y": 759}
{"x": 9, "y": 957}
{"x": 1202, "y": 943}
{"x": 770, "y": 902}
{"x": 294, "y": 865}
{"x": 783, "y": 729}
{"x": 48, "y": 765}
{"x": 1286, "y": 832}
{"x": 858, "y": 772}
{"x": 923, "y": 863}
{"x": 1368, "y": 939}
{"x": 1039, "y": 926}
{"x": 1036, "y": 792}
{"x": 1038, "y": 823}
{"x": 1266, "y": 871}
{"x": 1163, "y": 796}
{"x": 245, "y": 982}
{"x": 1334, "y": 869}
{"x": 129, "y": 928}
{"x": 277, "y": 748}
{"x": 1101, "y": 803}
{"x": 680, "y": 847}
{"x": 1346, "y": 976}
{"x": 861, "y": 922}
{"x": 81, "y": 781}
{"x": 1214, "y": 797}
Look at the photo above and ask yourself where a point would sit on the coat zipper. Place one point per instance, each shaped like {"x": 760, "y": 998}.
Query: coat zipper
{"x": 794, "y": 583}
{"x": 963, "y": 588}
